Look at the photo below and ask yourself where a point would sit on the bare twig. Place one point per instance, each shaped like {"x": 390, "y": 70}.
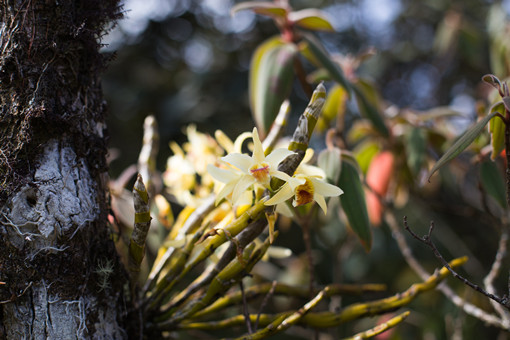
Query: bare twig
{"x": 467, "y": 307}
{"x": 264, "y": 303}
{"x": 245, "y": 309}
{"x": 493, "y": 274}
{"x": 426, "y": 239}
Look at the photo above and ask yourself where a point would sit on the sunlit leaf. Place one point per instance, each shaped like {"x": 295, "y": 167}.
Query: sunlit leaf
{"x": 330, "y": 160}
{"x": 364, "y": 152}
{"x": 317, "y": 76}
{"x": 271, "y": 75}
{"x": 353, "y": 203}
{"x": 493, "y": 182}
{"x": 261, "y": 7}
{"x": 317, "y": 54}
{"x": 462, "y": 143}
{"x": 368, "y": 104}
{"x": 334, "y": 107}
{"x": 497, "y": 131}
{"x": 312, "y": 19}
{"x": 416, "y": 147}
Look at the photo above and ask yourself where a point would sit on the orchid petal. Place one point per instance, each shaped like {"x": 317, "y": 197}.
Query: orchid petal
{"x": 292, "y": 181}
{"x": 258, "y": 151}
{"x": 321, "y": 202}
{"x": 284, "y": 210}
{"x": 224, "y": 141}
{"x": 282, "y": 195}
{"x": 238, "y": 144}
{"x": 325, "y": 189}
{"x": 225, "y": 191}
{"x": 278, "y": 155}
{"x": 241, "y": 186}
{"x": 241, "y": 161}
{"x": 310, "y": 170}
{"x": 222, "y": 175}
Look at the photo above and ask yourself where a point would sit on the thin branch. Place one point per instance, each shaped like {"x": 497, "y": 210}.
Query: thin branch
{"x": 426, "y": 239}
{"x": 493, "y": 274}
{"x": 265, "y": 301}
{"x": 467, "y": 307}
{"x": 245, "y": 309}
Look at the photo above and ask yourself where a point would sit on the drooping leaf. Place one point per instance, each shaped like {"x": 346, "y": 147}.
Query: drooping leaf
{"x": 462, "y": 143}
{"x": 415, "y": 148}
{"x": 312, "y": 19}
{"x": 368, "y": 98}
{"x": 493, "y": 182}
{"x": 493, "y": 81}
{"x": 271, "y": 76}
{"x": 313, "y": 51}
{"x": 497, "y": 130}
{"x": 261, "y": 7}
{"x": 353, "y": 203}
{"x": 330, "y": 160}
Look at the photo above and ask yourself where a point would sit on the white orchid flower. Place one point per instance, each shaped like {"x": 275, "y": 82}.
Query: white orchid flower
{"x": 305, "y": 188}
{"x": 246, "y": 171}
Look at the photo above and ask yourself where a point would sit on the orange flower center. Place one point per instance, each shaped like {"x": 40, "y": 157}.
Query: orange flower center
{"x": 304, "y": 193}
{"x": 260, "y": 172}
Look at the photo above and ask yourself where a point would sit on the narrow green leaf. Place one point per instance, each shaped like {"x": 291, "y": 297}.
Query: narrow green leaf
{"x": 261, "y": 7}
{"x": 416, "y": 147}
{"x": 312, "y": 19}
{"x": 493, "y": 182}
{"x": 319, "y": 55}
{"x": 271, "y": 76}
{"x": 353, "y": 203}
{"x": 462, "y": 143}
{"x": 368, "y": 98}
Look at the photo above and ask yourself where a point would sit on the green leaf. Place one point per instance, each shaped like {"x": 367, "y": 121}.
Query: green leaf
{"x": 334, "y": 107}
{"x": 313, "y": 51}
{"x": 493, "y": 182}
{"x": 312, "y": 19}
{"x": 462, "y": 143}
{"x": 416, "y": 147}
{"x": 271, "y": 76}
{"x": 368, "y": 102}
{"x": 330, "y": 161}
{"x": 364, "y": 152}
{"x": 497, "y": 130}
{"x": 261, "y": 7}
{"x": 353, "y": 203}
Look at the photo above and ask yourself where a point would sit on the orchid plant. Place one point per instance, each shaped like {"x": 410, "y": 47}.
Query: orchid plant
{"x": 230, "y": 201}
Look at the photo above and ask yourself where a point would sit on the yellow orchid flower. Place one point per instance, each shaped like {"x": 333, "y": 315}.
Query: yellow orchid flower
{"x": 307, "y": 186}
{"x": 246, "y": 171}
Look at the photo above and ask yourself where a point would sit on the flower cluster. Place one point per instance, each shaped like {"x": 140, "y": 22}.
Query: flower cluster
{"x": 242, "y": 173}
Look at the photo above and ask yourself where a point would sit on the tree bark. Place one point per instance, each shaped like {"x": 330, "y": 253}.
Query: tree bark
{"x": 59, "y": 272}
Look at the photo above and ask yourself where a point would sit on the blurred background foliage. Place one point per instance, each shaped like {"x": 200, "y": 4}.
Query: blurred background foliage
{"x": 187, "y": 61}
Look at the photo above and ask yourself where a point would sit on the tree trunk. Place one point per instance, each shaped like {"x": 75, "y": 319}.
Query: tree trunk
{"x": 60, "y": 276}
